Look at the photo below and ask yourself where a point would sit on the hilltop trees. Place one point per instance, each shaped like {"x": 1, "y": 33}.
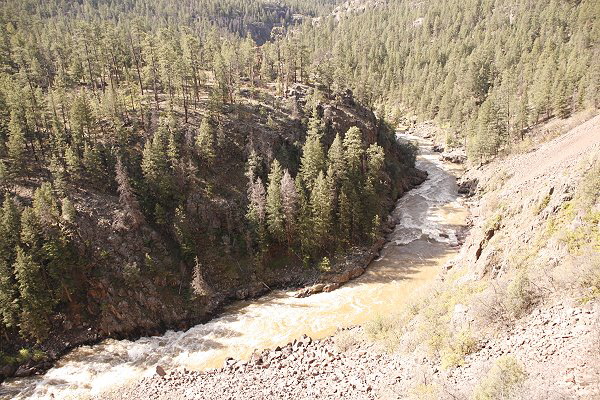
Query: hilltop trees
{"x": 440, "y": 61}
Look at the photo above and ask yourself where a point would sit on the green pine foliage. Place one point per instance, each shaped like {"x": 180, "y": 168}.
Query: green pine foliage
{"x": 444, "y": 60}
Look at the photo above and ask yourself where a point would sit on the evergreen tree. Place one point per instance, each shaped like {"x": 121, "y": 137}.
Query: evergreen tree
{"x": 313, "y": 159}
{"x": 34, "y": 300}
{"x": 562, "y": 100}
{"x": 256, "y": 205}
{"x": 205, "y": 142}
{"x": 16, "y": 145}
{"x": 354, "y": 153}
{"x": 289, "y": 202}
{"x": 274, "y": 204}
{"x": 336, "y": 161}
{"x": 375, "y": 161}
{"x": 127, "y": 196}
{"x": 9, "y": 237}
{"x": 321, "y": 209}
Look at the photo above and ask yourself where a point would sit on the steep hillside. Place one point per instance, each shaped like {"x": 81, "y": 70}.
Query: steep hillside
{"x": 518, "y": 313}
{"x": 135, "y": 277}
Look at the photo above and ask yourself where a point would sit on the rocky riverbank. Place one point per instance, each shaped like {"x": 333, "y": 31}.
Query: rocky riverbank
{"x": 551, "y": 343}
{"x": 344, "y": 366}
{"x": 515, "y": 315}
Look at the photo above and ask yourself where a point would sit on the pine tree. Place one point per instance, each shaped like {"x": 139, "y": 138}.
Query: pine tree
{"x": 274, "y": 205}
{"x": 9, "y": 306}
{"x": 321, "y": 210}
{"x": 73, "y": 164}
{"x": 15, "y": 145}
{"x": 523, "y": 115}
{"x": 9, "y": 237}
{"x": 316, "y": 126}
{"x": 289, "y": 202}
{"x": 82, "y": 122}
{"x": 127, "y": 197}
{"x": 205, "y": 142}
{"x": 34, "y": 300}
{"x": 375, "y": 161}
{"x": 68, "y": 211}
{"x": 157, "y": 167}
{"x": 313, "y": 160}
{"x": 336, "y": 161}
{"x": 256, "y": 204}
{"x": 92, "y": 163}
{"x": 562, "y": 100}
{"x": 354, "y": 153}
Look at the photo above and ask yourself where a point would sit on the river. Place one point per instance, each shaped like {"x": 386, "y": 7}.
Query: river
{"x": 424, "y": 239}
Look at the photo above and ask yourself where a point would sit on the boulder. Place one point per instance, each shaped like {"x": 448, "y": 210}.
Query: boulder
{"x": 331, "y": 287}
{"x": 356, "y": 272}
{"x": 340, "y": 278}
{"x": 455, "y": 156}
{"x": 23, "y": 371}
{"x": 8, "y": 370}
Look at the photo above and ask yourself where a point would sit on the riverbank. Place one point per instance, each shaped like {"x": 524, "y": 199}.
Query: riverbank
{"x": 351, "y": 365}
{"x": 344, "y": 366}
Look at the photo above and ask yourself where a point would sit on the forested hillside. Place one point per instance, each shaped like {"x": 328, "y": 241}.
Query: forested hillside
{"x": 158, "y": 156}
{"x": 154, "y": 161}
{"x": 487, "y": 70}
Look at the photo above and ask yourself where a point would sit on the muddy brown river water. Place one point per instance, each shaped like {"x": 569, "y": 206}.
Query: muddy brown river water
{"x": 425, "y": 238}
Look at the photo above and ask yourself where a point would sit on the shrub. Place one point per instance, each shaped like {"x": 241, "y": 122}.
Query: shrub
{"x": 387, "y": 330}
{"x": 379, "y": 327}
{"x": 325, "y": 265}
{"x": 38, "y": 355}
{"x": 501, "y": 381}
{"x": 519, "y": 295}
{"x": 24, "y": 355}
{"x": 424, "y": 391}
{"x": 590, "y": 277}
{"x": 344, "y": 340}
{"x": 461, "y": 345}
{"x": 539, "y": 207}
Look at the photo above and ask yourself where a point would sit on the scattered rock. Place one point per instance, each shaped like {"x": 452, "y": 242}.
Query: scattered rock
{"x": 455, "y": 156}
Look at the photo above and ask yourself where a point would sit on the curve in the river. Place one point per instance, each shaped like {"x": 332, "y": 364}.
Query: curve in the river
{"x": 428, "y": 217}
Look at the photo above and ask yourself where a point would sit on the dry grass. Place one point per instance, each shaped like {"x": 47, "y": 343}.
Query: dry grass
{"x": 345, "y": 340}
